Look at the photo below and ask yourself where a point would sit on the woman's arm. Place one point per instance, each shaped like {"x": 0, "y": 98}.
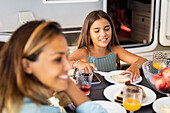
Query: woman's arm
{"x": 81, "y": 101}
{"x": 75, "y": 94}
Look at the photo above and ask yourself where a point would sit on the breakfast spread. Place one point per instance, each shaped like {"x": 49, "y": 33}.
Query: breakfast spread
{"x": 120, "y": 78}
{"x": 119, "y": 97}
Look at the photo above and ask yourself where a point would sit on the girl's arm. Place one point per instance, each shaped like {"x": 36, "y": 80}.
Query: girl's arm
{"x": 130, "y": 58}
{"x": 79, "y": 60}
{"x": 79, "y": 54}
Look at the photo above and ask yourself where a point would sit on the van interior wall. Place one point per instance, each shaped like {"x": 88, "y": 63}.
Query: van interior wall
{"x": 67, "y": 14}
{"x": 71, "y": 15}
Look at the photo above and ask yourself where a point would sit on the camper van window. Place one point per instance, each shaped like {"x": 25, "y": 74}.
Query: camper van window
{"x": 132, "y": 20}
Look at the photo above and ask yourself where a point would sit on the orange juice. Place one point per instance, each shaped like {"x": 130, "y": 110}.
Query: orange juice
{"x": 159, "y": 65}
{"x": 132, "y": 104}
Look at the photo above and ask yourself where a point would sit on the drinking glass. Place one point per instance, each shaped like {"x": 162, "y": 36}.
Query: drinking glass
{"x": 132, "y": 98}
{"x": 159, "y": 60}
{"x": 83, "y": 81}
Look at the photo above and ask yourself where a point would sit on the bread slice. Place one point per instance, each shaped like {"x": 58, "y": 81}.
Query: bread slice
{"x": 120, "y": 78}
{"x": 119, "y": 101}
{"x": 119, "y": 98}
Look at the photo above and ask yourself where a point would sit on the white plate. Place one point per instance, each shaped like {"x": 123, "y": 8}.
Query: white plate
{"x": 112, "y": 73}
{"x": 111, "y": 107}
{"x": 112, "y": 91}
{"x": 161, "y": 102}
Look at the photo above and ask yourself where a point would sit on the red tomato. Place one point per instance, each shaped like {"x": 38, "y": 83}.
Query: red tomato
{"x": 166, "y": 73}
{"x": 156, "y": 77}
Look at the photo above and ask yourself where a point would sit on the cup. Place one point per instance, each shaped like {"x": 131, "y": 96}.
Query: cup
{"x": 132, "y": 98}
{"x": 159, "y": 60}
{"x": 83, "y": 81}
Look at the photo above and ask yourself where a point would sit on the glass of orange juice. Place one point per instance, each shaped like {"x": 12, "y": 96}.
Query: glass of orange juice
{"x": 132, "y": 98}
{"x": 159, "y": 60}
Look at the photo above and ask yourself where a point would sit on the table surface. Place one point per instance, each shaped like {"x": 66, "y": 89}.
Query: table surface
{"x": 97, "y": 93}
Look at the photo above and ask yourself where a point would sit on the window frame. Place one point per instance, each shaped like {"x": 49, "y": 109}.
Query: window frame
{"x": 67, "y": 1}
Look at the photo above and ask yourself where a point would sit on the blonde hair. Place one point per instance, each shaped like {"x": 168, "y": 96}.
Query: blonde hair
{"x": 26, "y": 42}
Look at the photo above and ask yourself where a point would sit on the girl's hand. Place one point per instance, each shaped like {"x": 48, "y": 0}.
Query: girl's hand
{"x": 133, "y": 70}
{"x": 85, "y": 67}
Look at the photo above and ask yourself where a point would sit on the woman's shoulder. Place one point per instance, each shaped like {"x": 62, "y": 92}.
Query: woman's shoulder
{"x": 30, "y": 107}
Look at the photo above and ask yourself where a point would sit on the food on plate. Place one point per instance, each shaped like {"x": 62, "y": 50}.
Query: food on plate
{"x": 119, "y": 97}
{"x": 120, "y": 78}
{"x": 166, "y": 73}
{"x": 165, "y": 109}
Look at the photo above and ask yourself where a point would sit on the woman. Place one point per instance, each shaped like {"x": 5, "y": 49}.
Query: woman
{"x": 34, "y": 67}
{"x": 98, "y": 46}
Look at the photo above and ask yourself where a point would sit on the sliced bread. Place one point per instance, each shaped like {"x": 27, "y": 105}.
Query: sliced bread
{"x": 120, "y": 78}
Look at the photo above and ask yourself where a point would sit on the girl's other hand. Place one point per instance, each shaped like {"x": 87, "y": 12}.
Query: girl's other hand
{"x": 133, "y": 70}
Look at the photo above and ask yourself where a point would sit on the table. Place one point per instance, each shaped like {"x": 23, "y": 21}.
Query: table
{"x": 97, "y": 93}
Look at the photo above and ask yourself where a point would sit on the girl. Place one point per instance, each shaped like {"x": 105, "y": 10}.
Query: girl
{"x": 98, "y": 46}
{"x": 34, "y": 66}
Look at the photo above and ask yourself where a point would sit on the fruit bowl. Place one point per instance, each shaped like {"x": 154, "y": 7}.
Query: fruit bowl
{"x": 159, "y": 80}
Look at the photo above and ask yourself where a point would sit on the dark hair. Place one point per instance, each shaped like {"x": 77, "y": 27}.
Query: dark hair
{"x": 84, "y": 38}
{"x": 26, "y": 42}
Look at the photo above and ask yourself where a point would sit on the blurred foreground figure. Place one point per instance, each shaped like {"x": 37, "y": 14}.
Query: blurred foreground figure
{"x": 34, "y": 67}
